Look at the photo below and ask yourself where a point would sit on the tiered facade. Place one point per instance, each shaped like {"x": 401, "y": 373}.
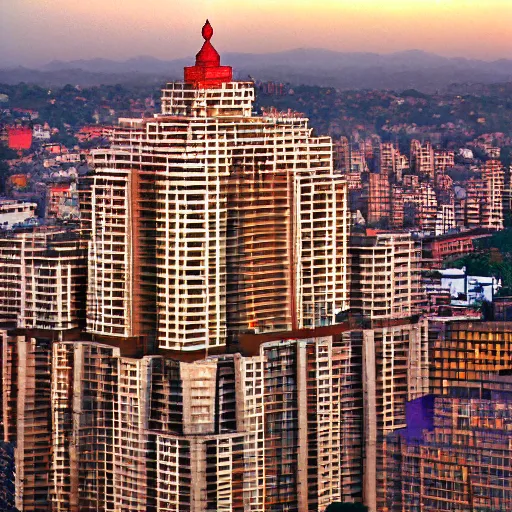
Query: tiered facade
{"x": 206, "y": 222}
{"x": 219, "y": 368}
{"x": 290, "y": 427}
{"x": 203, "y": 224}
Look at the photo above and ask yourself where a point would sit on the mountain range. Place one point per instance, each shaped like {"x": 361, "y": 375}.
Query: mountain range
{"x": 402, "y": 70}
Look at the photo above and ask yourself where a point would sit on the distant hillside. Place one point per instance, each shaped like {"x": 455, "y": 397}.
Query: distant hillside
{"x": 59, "y": 78}
{"x": 403, "y": 70}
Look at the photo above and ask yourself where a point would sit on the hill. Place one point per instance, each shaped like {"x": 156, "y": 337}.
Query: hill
{"x": 412, "y": 69}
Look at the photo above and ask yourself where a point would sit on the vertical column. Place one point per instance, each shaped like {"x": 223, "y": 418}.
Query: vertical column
{"x": 370, "y": 422}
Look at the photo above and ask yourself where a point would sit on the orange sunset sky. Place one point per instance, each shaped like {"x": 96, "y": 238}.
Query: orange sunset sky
{"x": 34, "y": 32}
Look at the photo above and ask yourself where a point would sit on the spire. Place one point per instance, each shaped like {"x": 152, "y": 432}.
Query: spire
{"x": 208, "y": 73}
{"x": 207, "y": 55}
{"x": 207, "y": 30}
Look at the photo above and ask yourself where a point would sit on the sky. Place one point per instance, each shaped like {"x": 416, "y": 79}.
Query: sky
{"x": 35, "y": 32}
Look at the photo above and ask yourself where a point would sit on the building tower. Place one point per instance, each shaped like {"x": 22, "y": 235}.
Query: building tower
{"x": 443, "y": 160}
{"x": 493, "y": 176}
{"x": 379, "y": 199}
{"x": 389, "y": 159}
{"x": 207, "y": 225}
{"x": 422, "y": 158}
{"x": 207, "y": 221}
{"x": 385, "y": 274}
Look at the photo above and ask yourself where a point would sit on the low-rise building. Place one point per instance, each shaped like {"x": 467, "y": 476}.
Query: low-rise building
{"x": 436, "y": 249}
{"x": 62, "y": 201}
{"x": 14, "y": 212}
{"x": 466, "y": 290}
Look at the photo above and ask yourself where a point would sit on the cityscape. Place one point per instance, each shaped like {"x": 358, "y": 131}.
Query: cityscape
{"x": 235, "y": 293}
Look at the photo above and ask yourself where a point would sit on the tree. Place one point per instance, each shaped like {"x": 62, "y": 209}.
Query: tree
{"x": 5, "y": 154}
{"x": 506, "y": 156}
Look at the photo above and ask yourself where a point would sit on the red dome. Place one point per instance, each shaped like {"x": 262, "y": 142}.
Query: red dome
{"x": 208, "y": 72}
{"x": 208, "y": 55}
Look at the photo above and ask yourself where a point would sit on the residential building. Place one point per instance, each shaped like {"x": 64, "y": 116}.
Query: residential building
{"x": 206, "y": 221}
{"x": 422, "y": 159}
{"x": 474, "y": 203}
{"x": 397, "y": 207}
{"x": 26, "y": 408}
{"x": 287, "y": 425}
{"x": 379, "y": 199}
{"x": 411, "y": 181}
{"x": 466, "y": 351}
{"x": 341, "y": 155}
{"x": 455, "y": 453}
{"x": 427, "y": 208}
{"x": 42, "y": 279}
{"x": 385, "y": 275}
{"x": 219, "y": 368}
{"x": 443, "y": 160}
{"x": 389, "y": 159}
{"x": 493, "y": 177}
{"x": 392, "y": 162}
{"x": 484, "y": 198}
{"x": 358, "y": 161}
{"x": 13, "y": 212}
{"x": 436, "y": 249}
{"x": 445, "y": 219}
{"x": 62, "y": 201}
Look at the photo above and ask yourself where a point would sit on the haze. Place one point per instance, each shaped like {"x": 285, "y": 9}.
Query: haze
{"x": 34, "y": 32}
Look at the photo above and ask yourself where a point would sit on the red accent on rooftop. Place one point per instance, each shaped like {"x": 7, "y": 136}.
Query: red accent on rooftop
{"x": 19, "y": 138}
{"x": 208, "y": 73}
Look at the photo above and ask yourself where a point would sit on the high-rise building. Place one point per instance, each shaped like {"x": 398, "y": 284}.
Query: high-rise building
{"x": 493, "y": 176}
{"x": 456, "y": 452}
{"x": 342, "y": 155}
{"x": 26, "y": 408}
{"x": 427, "y": 208}
{"x": 392, "y": 162}
{"x": 422, "y": 158}
{"x": 473, "y": 203}
{"x": 358, "y": 161}
{"x": 443, "y": 160}
{"x": 288, "y": 426}
{"x": 42, "y": 279}
{"x": 207, "y": 221}
{"x": 385, "y": 270}
{"x": 389, "y": 157}
{"x": 397, "y": 207}
{"x": 507, "y": 193}
{"x": 462, "y": 351}
{"x": 211, "y": 231}
{"x": 483, "y": 202}
{"x": 445, "y": 219}
{"x": 379, "y": 199}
